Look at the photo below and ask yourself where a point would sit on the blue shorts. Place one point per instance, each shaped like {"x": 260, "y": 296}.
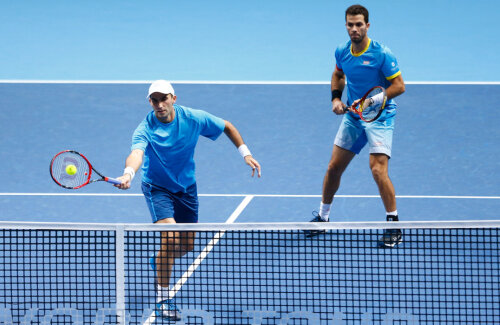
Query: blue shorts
{"x": 162, "y": 203}
{"x": 354, "y": 134}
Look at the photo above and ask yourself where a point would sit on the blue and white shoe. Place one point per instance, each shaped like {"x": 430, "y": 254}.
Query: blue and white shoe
{"x": 313, "y": 233}
{"x": 391, "y": 238}
{"x": 167, "y": 310}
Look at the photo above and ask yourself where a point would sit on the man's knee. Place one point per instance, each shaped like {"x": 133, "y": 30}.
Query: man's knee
{"x": 379, "y": 173}
{"x": 379, "y": 167}
{"x": 188, "y": 242}
{"x": 335, "y": 168}
{"x": 339, "y": 161}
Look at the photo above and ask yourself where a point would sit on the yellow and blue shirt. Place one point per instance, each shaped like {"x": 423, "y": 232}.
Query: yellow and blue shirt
{"x": 374, "y": 66}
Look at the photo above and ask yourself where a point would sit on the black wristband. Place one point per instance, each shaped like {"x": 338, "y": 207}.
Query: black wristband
{"x": 336, "y": 94}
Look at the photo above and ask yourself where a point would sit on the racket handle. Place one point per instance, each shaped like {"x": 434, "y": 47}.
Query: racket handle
{"x": 112, "y": 180}
{"x": 346, "y": 109}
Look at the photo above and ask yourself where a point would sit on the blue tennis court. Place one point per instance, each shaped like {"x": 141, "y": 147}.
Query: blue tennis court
{"x": 443, "y": 164}
{"x": 443, "y": 168}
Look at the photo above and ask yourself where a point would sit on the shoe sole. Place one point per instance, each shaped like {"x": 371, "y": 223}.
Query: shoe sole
{"x": 169, "y": 318}
{"x": 314, "y": 233}
{"x": 390, "y": 245}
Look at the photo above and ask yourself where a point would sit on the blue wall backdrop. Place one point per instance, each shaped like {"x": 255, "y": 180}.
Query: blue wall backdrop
{"x": 279, "y": 40}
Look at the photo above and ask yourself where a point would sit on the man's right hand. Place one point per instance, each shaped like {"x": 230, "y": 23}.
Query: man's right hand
{"x": 338, "y": 107}
{"x": 125, "y": 179}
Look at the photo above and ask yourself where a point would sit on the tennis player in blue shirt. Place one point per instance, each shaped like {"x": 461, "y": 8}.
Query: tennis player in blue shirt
{"x": 163, "y": 144}
{"x": 362, "y": 63}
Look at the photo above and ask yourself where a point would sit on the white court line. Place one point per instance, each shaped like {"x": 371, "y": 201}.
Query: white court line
{"x": 203, "y": 254}
{"x": 229, "y": 82}
{"x": 261, "y": 195}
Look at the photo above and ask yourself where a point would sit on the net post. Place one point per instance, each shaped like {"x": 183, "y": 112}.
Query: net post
{"x": 120, "y": 274}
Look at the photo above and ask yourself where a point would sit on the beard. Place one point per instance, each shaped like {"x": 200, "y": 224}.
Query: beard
{"x": 358, "y": 39}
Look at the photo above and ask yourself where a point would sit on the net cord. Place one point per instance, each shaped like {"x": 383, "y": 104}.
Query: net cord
{"x": 253, "y": 226}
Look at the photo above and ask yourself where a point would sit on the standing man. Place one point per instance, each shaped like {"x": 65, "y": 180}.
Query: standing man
{"x": 365, "y": 63}
{"x": 165, "y": 141}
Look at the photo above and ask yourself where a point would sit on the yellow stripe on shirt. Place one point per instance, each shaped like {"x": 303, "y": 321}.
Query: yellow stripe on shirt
{"x": 393, "y": 76}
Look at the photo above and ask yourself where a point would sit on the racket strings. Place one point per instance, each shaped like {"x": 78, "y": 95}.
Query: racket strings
{"x": 370, "y": 111}
{"x": 62, "y": 161}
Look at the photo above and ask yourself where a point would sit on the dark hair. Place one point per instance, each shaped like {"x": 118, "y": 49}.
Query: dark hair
{"x": 357, "y": 10}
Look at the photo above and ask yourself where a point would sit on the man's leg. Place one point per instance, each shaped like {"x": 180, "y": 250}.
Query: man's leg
{"x": 338, "y": 163}
{"x": 349, "y": 141}
{"x": 379, "y": 165}
{"x": 163, "y": 264}
{"x": 173, "y": 245}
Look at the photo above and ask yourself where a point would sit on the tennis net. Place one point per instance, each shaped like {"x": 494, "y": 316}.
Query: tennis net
{"x": 442, "y": 273}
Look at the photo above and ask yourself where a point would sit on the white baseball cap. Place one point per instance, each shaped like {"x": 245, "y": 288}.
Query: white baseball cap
{"x": 161, "y": 86}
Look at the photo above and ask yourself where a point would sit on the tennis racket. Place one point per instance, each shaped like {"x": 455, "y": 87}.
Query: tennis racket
{"x": 370, "y": 107}
{"x": 72, "y": 170}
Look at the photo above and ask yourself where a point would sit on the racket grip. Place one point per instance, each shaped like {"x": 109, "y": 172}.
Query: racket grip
{"x": 112, "y": 180}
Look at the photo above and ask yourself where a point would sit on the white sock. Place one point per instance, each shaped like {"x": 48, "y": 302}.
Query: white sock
{"x": 392, "y": 216}
{"x": 324, "y": 211}
{"x": 162, "y": 293}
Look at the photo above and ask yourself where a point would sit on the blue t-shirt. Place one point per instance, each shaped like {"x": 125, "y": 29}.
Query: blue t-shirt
{"x": 374, "y": 66}
{"x": 169, "y": 147}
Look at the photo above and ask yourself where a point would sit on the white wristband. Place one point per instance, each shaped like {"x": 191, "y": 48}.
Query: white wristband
{"x": 244, "y": 151}
{"x": 130, "y": 171}
{"x": 378, "y": 99}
